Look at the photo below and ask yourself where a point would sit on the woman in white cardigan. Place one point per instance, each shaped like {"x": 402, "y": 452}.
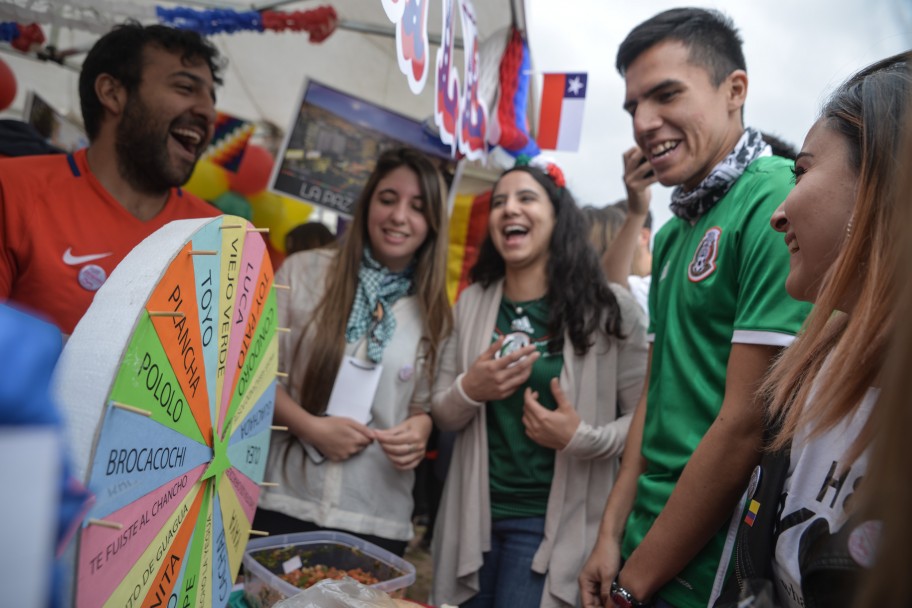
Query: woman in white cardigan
{"x": 540, "y": 378}
{"x": 375, "y": 311}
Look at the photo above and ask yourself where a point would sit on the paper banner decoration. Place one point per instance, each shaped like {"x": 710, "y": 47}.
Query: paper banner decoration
{"x": 99, "y": 16}
{"x": 412, "y": 41}
{"x": 394, "y": 9}
{"x": 229, "y": 141}
{"x": 319, "y": 22}
{"x": 21, "y": 37}
{"x": 169, "y": 386}
{"x": 459, "y": 114}
{"x": 468, "y": 229}
{"x": 446, "y": 82}
{"x": 510, "y": 113}
{"x": 473, "y": 117}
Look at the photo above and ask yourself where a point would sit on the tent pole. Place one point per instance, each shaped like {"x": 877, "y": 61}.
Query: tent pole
{"x": 274, "y": 4}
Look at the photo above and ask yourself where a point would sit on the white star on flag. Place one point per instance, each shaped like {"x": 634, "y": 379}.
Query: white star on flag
{"x": 574, "y": 85}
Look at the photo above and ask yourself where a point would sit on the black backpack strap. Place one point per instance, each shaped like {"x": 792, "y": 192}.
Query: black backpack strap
{"x": 756, "y": 539}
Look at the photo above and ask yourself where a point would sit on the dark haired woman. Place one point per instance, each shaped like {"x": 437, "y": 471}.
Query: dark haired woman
{"x": 540, "y": 378}
{"x": 372, "y": 313}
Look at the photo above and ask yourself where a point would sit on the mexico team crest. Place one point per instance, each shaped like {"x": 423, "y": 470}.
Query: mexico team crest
{"x": 704, "y": 260}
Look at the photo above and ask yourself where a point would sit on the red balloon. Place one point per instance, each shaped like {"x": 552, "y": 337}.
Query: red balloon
{"x": 7, "y": 85}
{"x": 253, "y": 173}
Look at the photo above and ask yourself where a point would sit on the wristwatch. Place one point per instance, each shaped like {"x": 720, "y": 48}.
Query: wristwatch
{"x": 624, "y": 599}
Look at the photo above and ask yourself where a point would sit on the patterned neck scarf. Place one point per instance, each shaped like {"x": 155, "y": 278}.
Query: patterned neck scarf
{"x": 372, "y": 311}
{"x": 691, "y": 206}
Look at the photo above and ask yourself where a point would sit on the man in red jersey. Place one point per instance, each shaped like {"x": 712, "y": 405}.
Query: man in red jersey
{"x": 66, "y": 221}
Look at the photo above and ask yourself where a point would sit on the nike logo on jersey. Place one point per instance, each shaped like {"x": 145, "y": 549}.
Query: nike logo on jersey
{"x": 74, "y": 260}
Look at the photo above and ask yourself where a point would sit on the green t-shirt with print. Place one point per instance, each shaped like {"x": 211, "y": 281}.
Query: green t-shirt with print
{"x": 519, "y": 469}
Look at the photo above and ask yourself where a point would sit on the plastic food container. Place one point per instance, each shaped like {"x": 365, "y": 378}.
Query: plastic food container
{"x": 264, "y": 557}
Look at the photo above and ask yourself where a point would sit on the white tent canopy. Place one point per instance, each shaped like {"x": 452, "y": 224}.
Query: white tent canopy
{"x": 266, "y": 70}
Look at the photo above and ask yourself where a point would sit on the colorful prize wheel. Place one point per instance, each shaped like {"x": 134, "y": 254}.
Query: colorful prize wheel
{"x": 168, "y": 384}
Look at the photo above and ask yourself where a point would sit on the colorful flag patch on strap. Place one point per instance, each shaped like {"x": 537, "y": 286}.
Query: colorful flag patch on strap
{"x": 560, "y": 122}
{"x": 752, "y": 511}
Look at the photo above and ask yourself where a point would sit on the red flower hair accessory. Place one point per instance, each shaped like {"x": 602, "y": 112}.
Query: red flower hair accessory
{"x": 555, "y": 173}
{"x": 549, "y": 167}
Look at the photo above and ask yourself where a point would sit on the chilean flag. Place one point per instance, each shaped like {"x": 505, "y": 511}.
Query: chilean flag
{"x": 561, "y": 119}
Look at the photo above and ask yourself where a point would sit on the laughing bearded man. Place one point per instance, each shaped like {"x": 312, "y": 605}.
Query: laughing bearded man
{"x": 148, "y": 102}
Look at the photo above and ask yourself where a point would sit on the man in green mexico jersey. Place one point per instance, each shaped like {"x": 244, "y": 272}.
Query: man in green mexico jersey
{"x": 719, "y": 314}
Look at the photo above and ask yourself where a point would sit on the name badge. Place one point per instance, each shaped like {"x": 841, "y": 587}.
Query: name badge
{"x": 354, "y": 389}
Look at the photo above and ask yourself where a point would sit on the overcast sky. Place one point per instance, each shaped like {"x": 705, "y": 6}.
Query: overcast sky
{"x": 796, "y": 52}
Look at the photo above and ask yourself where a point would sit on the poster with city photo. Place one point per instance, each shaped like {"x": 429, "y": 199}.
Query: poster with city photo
{"x": 57, "y": 129}
{"x": 333, "y": 143}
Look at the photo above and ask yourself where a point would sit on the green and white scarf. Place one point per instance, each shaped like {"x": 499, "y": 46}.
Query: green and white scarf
{"x": 372, "y": 310}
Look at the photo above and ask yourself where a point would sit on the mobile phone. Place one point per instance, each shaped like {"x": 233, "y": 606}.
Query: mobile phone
{"x": 650, "y": 173}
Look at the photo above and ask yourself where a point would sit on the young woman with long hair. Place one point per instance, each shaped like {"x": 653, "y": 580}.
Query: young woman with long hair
{"x": 840, "y": 227}
{"x": 377, "y": 305}
{"x": 540, "y": 378}
{"x": 887, "y": 493}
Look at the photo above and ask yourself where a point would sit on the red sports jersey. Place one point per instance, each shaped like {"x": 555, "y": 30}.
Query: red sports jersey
{"x": 63, "y": 233}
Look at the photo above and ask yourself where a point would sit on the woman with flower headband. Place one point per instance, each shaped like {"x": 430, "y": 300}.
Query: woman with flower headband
{"x": 539, "y": 378}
